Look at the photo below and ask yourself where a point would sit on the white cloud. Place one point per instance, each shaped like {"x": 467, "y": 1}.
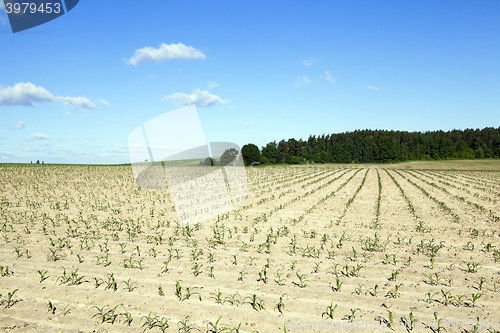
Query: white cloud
{"x": 105, "y": 103}
{"x": 67, "y": 113}
{"x": 27, "y": 93}
{"x": 308, "y": 63}
{"x": 198, "y": 97}
{"x": 372, "y": 88}
{"x": 38, "y": 136}
{"x": 164, "y": 52}
{"x": 19, "y": 125}
{"x": 75, "y": 102}
{"x": 303, "y": 80}
{"x": 24, "y": 94}
{"x": 329, "y": 77}
{"x": 212, "y": 85}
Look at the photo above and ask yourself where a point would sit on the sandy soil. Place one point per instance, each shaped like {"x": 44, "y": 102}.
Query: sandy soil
{"x": 316, "y": 222}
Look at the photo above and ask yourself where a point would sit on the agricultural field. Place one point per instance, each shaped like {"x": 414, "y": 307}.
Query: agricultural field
{"x": 312, "y": 248}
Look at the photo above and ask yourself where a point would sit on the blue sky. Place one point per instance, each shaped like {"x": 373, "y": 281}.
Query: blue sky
{"x": 73, "y": 89}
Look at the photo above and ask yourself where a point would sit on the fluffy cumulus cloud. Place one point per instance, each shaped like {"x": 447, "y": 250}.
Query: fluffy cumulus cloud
{"x": 301, "y": 81}
{"x": 27, "y": 94}
{"x": 163, "y": 53}
{"x": 24, "y": 94}
{"x": 372, "y": 88}
{"x": 18, "y": 126}
{"x": 198, "y": 97}
{"x": 37, "y": 136}
{"x": 329, "y": 77}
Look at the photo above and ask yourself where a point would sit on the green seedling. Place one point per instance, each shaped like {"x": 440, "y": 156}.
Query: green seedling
{"x": 256, "y": 302}
{"x": 242, "y": 275}
{"x": 480, "y": 284}
{"x": 217, "y": 296}
{"x": 66, "y": 310}
{"x": 127, "y": 315}
{"x": 391, "y": 319}
{"x": 42, "y": 276}
{"x": 395, "y": 293}
{"x": 358, "y": 290}
{"x": 234, "y": 299}
{"x": 430, "y": 297}
{"x": 214, "y": 328}
{"x": 106, "y": 315}
{"x": 447, "y": 297}
{"x": 438, "y": 327}
{"x": 186, "y": 327}
{"x": 150, "y": 321}
{"x": 280, "y": 306}
{"x": 280, "y": 281}
{"x": 160, "y": 291}
{"x": 329, "y": 311}
{"x": 373, "y": 291}
{"x": 51, "y": 308}
{"x": 130, "y": 286}
{"x": 302, "y": 279}
{"x": 474, "y": 298}
{"x": 352, "y": 315}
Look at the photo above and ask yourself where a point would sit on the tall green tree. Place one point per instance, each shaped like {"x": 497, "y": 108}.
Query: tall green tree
{"x": 251, "y": 154}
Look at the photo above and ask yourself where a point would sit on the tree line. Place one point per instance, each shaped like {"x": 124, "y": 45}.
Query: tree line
{"x": 378, "y": 146}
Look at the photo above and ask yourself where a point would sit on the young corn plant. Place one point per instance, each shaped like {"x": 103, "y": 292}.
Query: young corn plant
{"x": 51, "y": 308}
{"x": 351, "y": 316}
{"x": 256, "y": 302}
{"x": 329, "y": 311}
{"x": 129, "y": 286}
{"x": 280, "y": 306}
{"x": 42, "y": 276}
{"x": 373, "y": 291}
{"x": 302, "y": 279}
{"x": 217, "y": 296}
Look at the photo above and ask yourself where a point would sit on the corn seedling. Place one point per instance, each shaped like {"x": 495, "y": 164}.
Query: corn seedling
{"x": 127, "y": 315}
{"x": 186, "y": 327}
{"x": 329, "y": 311}
{"x": 351, "y": 315}
{"x": 42, "y": 276}
{"x": 107, "y": 315}
{"x": 395, "y": 293}
{"x": 130, "y": 286}
{"x": 256, "y": 302}
{"x": 51, "y": 308}
{"x": 391, "y": 319}
{"x": 373, "y": 291}
{"x": 438, "y": 327}
{"x": 242, "y": 275}
{"x": 302, "y": 279}
{"x": 217, "y": 296}
{"x": 160, "y": 291}
{"x": 474, "y": 298}
{"x": 280, "y": 306}
{"x": 234, "y": 299}
{"x": 430, "y": 297}
{"x": 150, "y": 320}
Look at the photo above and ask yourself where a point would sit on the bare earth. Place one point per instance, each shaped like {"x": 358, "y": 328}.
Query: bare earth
{"x": 343, "y": 248}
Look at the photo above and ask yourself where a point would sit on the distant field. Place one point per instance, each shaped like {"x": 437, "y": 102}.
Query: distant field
{"x": 86, "y": 250}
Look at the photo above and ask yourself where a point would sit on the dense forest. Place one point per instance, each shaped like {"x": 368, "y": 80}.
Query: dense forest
{"x": 378, "y": 146}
